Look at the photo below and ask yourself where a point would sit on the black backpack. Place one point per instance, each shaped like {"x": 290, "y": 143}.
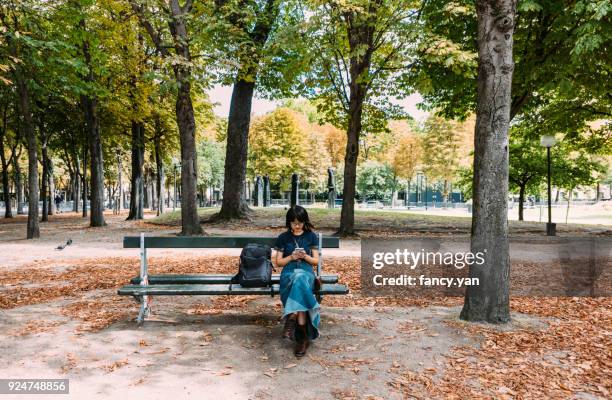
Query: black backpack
{"x": 255, "y": 269}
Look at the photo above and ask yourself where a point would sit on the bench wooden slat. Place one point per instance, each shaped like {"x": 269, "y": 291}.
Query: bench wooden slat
{"x": 197, "y": 289}
{"x": 197, "y": 242}
{"x": 211, "y": 279}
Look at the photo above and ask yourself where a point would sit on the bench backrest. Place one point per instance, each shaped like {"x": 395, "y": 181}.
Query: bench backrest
{"x": 197, "y": 242}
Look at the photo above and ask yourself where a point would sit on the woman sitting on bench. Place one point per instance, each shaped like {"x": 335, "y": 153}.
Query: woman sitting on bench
{"x": 297, "y": 253}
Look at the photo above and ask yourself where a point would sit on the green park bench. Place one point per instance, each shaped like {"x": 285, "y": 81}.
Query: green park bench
{"x": 145, "y": 285}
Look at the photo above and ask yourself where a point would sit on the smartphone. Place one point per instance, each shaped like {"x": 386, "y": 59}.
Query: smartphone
{"x": 299, "y": 249}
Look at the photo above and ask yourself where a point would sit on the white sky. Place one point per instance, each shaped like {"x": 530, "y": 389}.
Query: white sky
{"x": 223, "y": 94}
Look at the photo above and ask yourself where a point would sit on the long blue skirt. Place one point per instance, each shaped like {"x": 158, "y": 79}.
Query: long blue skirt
{"x": 296, "y": 286}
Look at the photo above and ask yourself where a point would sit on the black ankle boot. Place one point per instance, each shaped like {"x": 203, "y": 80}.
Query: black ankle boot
{"x": 302, "y": 342}
{"x": 289, "y": 329}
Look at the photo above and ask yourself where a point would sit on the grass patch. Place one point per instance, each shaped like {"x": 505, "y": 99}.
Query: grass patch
{"x": 325, "y": 218}
{"x": 368, "y": 222}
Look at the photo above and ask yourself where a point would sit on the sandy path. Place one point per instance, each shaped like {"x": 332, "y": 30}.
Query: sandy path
{"x": 234, "y": 355}
{"x": 196, "y": 347}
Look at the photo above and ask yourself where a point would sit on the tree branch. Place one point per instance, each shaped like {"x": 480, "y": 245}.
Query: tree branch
{"x": 147, "y": 26}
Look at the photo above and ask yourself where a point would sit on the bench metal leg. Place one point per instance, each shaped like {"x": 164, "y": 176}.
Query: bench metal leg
{"x": 145, "y": 310}
{"x": 145, "y": 300}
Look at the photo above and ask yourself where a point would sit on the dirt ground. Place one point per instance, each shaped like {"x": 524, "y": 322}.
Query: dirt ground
{"x": 60, "y": 317}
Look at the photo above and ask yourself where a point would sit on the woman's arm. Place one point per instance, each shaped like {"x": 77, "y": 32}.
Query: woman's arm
{"x": 282, "y": 261}
{"x": 312, "y": 260}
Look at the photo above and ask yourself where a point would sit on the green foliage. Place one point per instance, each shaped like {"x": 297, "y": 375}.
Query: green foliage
{"x": 573, "y": 168}
{"x": 562, "y": 68}
{"x": 303, "y": 106}
{"x": 211, "y": 161}
{"x": 440, "y": 147}
{"x": 464, "y": 181}
{"x": 527, "y": 165}
{"x": 332, "y": 55}
{"x": 375, "y": 180}
{"x": 236, "y": 39}
{"x": 276, "y": 146}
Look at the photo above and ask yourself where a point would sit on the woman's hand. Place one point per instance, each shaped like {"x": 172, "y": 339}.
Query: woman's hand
{"x": 298, "y": 255}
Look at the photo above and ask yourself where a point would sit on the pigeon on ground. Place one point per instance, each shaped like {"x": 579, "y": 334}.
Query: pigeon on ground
{"x": 62, "y": 247}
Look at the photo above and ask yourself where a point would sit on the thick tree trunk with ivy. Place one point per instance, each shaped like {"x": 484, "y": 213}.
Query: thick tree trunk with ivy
{"x": 137, "y": 184}
{"x": 490, "y": 301}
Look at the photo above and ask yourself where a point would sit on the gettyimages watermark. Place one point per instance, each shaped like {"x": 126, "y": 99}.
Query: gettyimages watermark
{"x": 567, "y": 266}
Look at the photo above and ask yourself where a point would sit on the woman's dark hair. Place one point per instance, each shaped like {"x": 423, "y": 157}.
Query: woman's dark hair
{"x": 299, "y": 213}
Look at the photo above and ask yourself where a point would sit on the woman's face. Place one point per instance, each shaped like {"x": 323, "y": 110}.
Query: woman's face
{"x": 296, "y": 225}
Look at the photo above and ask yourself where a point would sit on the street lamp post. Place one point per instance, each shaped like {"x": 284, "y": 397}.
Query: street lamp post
{"x": 548, "y": 142}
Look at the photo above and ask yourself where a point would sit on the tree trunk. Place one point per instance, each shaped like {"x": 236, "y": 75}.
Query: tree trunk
{"x": 52, "y": 209}
{"x": 45, "y": 175}
{"x": 357, "y": 96}
{"x": 8, "y": 212}
{"x": 489, "y": 300}
{"x": 84, "y": 181}
{"x": 27, "y": 131}
{"x": 77, "y": 186}
{"x": 90, "y": 105}
{"x": 234, "y": 198}
{"x": 33, "y": 230}
{"x": 153, "y": 185}
{"x": 159, "y": 173}
{"x": 360, "y": 37}
{"x": 146, "y": 195}
{"x": 119, "y": 184}
{"x": 186, "y": 124}
{"x": 18, "y": 185}
{"x": 521, "y": 202}
{"x": 569, "y": 200}
{"x": 234, "y": 204}
{"x": 137, "y": 184}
